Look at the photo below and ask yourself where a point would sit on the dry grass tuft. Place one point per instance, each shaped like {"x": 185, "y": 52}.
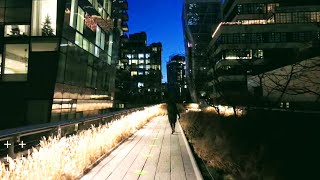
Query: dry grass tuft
{"x": 68, "y": 157}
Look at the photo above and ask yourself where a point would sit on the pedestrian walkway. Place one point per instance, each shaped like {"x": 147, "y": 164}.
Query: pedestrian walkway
{"x": 151, "y": 153}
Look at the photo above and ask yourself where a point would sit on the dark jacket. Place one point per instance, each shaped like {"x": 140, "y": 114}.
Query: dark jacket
{"x": 172, "y": 111}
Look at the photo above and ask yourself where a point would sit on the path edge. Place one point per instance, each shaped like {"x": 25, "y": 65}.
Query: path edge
{"x": 193, "y": 161}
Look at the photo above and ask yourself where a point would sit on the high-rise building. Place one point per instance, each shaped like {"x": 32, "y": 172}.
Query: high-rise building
{"x": 176, "y": 74}
{"x": 57, "y": 59}
{"x": 199, "y": 19}
{"x": 259, "y": 37}
{"x": 139, "y": 71}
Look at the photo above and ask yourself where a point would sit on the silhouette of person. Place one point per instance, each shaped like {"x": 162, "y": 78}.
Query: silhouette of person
{"x": 172, "y": 114}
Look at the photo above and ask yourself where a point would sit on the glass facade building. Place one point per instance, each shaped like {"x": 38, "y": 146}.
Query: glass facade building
{"x": 57, "y": 59}
{"x": 177, "y": 81}
{"x": 199, "y": 18}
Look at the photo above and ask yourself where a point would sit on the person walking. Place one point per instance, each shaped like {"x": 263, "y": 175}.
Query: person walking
{"x": 172, "y": 114}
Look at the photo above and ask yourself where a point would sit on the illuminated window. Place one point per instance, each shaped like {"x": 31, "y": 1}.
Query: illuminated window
{"x": 16, "y": 62}
{"x": 140, "y": 56}
{"x": 44, "y": 17}
{"x": 147, "y": 56}
{"x": 134, "y": 61}
{"x": 141, "y": 66}
{"x": 147, "y": 61}
{"x": 140, "y": 73}
{"x": 140, "y": 84}
{"x": 148, "y": 67}
{"x": 16, "y": 30}
{"x": 141, "y": 61}
{"x": 133, "y": 73}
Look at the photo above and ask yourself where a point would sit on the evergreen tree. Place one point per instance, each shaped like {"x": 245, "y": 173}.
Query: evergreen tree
{"x": 47, "y": 29}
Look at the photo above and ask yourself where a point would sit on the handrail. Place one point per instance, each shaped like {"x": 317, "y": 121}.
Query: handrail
{"x": 13, "y": 135}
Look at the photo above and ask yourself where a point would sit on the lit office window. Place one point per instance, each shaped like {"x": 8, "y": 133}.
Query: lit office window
{"x": 16, "y": 30}
{"x": 133, "y": 73}
{"x": 140, "y": 56}
{"x": 134, "y": 61}
{"x": 44, "y": 17}
{"x": 147, "y": 56}
{"x": 16, "y": 62}
{"x": 140, "y": 84}
{"x": 141, "y": 61}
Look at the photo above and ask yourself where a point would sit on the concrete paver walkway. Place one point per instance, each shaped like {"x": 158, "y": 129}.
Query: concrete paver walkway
{"x": 151, "y": 153}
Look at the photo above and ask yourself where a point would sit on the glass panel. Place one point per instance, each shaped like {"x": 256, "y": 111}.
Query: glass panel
{"x": 73, "y": 13}
{"x": 16, "y": 30}
{"x": 98, "y": 36}
{"x": 91, "y": 50}
{"x": 79, "y": 39}
{"x": 15, "y": 15}
{"x": 96, "y": 51}
{"x": 44, "y": 17}
{"x": 85, "y": 44}
{"x": 89, "y": 76}
{"x": 103, "y": 39}
{"x": 1, "y": 14}
{"x": 16, "y": 62}
{"x": 80, "y": 20}
{"x": 61, "y": 68}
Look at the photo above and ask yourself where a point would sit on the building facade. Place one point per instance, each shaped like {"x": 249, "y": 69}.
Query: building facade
{"x": 257, "y": 37}
{"x": 199, "y": 18}
{"x": 139, "y": 71}
{"x": 177, "y": 81}
{"x": 57, "y": 59}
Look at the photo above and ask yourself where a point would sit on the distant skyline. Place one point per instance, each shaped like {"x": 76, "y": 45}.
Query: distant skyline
{"x": 161, "y": 20}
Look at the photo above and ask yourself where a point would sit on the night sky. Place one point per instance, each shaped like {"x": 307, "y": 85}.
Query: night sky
{"x": 161, "y": 20}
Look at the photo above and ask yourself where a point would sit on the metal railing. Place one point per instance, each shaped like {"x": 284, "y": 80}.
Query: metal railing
{"x": 12, "y": 137}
